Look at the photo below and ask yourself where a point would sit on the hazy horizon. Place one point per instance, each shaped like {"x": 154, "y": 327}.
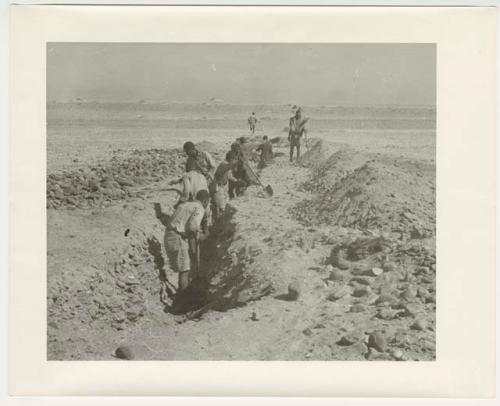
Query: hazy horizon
{"x": 244, "y": 74}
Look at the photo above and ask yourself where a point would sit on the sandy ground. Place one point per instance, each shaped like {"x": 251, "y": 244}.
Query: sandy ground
{"x": 105, "y": 261}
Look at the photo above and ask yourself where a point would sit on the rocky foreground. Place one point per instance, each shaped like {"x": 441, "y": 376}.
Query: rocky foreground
{"x": 338, "y": 265}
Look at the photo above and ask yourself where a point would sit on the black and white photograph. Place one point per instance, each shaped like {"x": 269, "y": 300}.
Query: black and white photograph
{"x": 241, "y": 201}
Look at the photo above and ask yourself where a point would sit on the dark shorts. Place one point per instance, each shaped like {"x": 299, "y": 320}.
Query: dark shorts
{"x": 294, "y": 141}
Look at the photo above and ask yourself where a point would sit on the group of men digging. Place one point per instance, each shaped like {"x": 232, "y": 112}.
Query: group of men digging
{"x": 203, "y": 196}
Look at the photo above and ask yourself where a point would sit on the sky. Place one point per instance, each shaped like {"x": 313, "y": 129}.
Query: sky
{"x": 308, "y": 74}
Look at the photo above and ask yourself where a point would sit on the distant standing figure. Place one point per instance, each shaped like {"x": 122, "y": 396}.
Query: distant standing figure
{"x": 184, "y": 228}
{"x": 252, "y": 121}
{"x": 296, "y": 131}
{"x": 266, "y": 152}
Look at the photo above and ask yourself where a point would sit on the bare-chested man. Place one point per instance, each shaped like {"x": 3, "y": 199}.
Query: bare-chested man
{"x": 297, "y": 128}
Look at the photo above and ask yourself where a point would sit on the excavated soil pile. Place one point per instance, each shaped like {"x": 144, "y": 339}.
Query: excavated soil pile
{"x": 315, "y": 152}
{"x": 279, "y": 142}
{"x": 115, "y": 293}
{"x": 100, "y": 185}
{"x": 385, "y": 195}
{"x": 207, "y": 146}
{"x": 105, "y": 273}
{"x": 326, "y": 172}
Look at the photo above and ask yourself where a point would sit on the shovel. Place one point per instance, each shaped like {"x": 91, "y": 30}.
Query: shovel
{"x": 268, "y": 189}
{"x": 306, "y": 141}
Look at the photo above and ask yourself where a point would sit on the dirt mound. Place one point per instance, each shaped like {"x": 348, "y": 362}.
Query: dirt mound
{"x": 207, "y": 146}
{"x": 384, "y": 196}
{"x": 115, "y": 293}
{"x": 280, "y": 142}
{"x": 326, "y": 172}
{"x": 315, "y": 153}
{"x": 100, "y": 185}
{"x": 111, "y": 288}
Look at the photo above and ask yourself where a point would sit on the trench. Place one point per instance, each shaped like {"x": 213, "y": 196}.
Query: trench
{"x": 220, "y": 280}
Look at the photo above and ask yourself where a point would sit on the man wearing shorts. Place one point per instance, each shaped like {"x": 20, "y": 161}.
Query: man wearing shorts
{"x": 296, "y": 130}
{"x": 184, "y": 231}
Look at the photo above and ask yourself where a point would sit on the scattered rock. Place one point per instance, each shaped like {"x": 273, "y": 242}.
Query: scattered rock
{"x": 361, "y": 281}
{"x": 337, "y": 259}
{"x": 308, "y": 332}
{"x": 386, "y": 314}
{"x": 409, "y": 294}
{"x": 338, "y": 293}
{"x": 423, "y": 293}
{"x": 124, "y": 352}
{"x": 361, "y": 347}
{"x": 429, "y": 345}
{"x": 357, "y": 308}
{"x": 351, "y": 338}
{"x": 410, "y": 310}
{"x": 388, "y": 278}
{"x": 387, "y": 290}
{"x": 135, "y": 311}
{"x": 385, "y": 299}
{"x": 336, "y": 275}
{"x": 377, "y": 271}
{"x": 422, "y": 270}
{"x": 361, "y": 291}
{"x": 294, "y": 291}
{"x": 430, "y": 299}
{"x": 343, "y": 264}
{"x": 419, "y": 325}
{"x": 52, "y": 324}
{"x": 124, "y": 182}
{"x": 390, "y": 267}
{"x": 364, "y": 247}
{"x": 361, "y": 270}
{"x": 374, "y": 355}
{"x": 377, "y": 341}
{"x": 398, "y": 354}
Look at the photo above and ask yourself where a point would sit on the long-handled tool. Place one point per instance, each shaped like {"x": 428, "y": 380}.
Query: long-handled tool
{"x": 300, "y": 129}
{"x": 268, "y": 189}
{"x": 306, "y": 140}
{"x": 196, "y": 246}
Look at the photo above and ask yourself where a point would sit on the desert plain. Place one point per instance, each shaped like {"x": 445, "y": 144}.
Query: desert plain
{"x": 350, "y": 228}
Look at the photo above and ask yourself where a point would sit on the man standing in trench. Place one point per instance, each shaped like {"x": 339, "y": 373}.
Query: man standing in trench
{"x": 297, "y": 129}
{"x": 183, "y": 233}
{"x": 224, "y": 175}
{"x": 266, "y": 152}
{"x": 192, "y": 182}
{"x": 239, "y": 172}
{"x": 200, "y": 161}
